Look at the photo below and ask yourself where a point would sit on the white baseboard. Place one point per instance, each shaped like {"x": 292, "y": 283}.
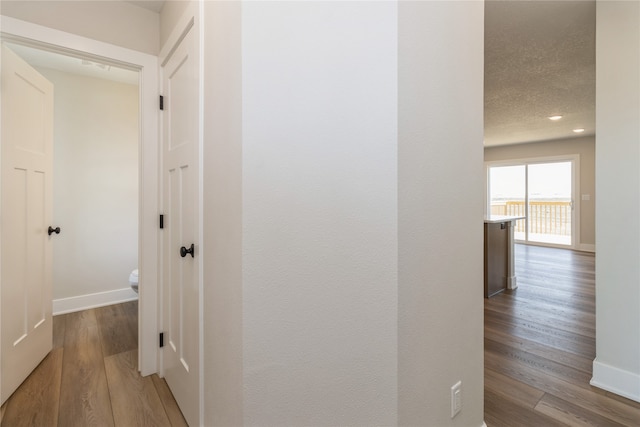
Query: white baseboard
{"x": 100, "y": 299}
{"x": 586, "y": 247}
{"x": 615, "y": 380}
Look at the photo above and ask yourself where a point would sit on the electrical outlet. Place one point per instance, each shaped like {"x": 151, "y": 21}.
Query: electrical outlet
{"x": 456, "y": 398}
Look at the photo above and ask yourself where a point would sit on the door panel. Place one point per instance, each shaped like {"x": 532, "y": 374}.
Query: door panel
{"x": 181, "y": 289}
{"x": 550, "y": 203}
{"x": 26, "y": 256}
{"x": 507, "y": 194}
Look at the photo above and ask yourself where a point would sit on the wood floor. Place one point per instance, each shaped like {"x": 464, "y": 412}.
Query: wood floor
{"x": 539, "y": 349}
{"x": 90, "y": 378}
{"x": 540, "y": 345}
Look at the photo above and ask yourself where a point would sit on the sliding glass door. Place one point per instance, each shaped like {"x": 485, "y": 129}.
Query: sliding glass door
{"x": 543, "y": 192}
{"x": 508, "y": 194}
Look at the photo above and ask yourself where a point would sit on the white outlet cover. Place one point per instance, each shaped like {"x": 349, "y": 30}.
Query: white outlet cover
{"x": 456, "y": 399}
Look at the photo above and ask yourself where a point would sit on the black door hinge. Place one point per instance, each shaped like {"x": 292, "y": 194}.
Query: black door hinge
{"x": 161, "y": 102}
{"x": 161, "y": 221}
{"x": 161, "y": 339}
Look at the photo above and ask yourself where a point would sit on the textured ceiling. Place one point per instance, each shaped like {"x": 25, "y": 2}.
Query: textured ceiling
{"x": 539, "y": 62}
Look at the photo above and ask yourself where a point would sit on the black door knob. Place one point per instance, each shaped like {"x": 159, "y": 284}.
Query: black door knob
{"x": 184, "y": 251}
{"x": 52, "y": 230}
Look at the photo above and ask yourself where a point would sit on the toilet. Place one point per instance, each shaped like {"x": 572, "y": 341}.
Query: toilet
{"x": 133, "y": 280}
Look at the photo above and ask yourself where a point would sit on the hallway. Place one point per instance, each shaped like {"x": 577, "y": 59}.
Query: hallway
{"x": 540, "y": 345}
{"x": 90, "y": 378}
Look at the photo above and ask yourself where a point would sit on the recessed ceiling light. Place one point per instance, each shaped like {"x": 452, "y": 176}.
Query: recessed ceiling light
{"x": 554, "y": 118}
{"x": 579, "y": 130}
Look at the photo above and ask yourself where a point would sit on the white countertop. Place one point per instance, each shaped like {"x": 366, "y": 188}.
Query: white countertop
{"x": 491, "y": 219}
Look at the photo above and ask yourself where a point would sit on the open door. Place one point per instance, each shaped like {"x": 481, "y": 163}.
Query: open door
{"x": 26, "y": 211}
{"x": 181, "y": 291}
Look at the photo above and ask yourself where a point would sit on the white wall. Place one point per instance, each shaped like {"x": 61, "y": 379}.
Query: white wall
{"x": 585, "y": 148}
{"x": 95, "y": 184}
{"x": 222, "y": 240}
{"x": 306, "y": 320}
{"x": 320, "y": 213}
{"x": 617, "y": 364}
{"x": 440, "y": 211}
{"x": 171, "y": 12}
{"x": 116, "y": 22}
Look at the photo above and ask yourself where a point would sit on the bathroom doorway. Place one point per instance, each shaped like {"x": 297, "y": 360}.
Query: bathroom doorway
{"x": 95, "y": 178}
{"x": 28, "y": 34}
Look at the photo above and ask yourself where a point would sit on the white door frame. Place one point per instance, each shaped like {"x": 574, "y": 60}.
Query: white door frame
{"x": 45, "y": 38}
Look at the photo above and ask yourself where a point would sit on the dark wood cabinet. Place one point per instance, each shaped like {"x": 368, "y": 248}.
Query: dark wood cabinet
{"x": 496, "y": 257}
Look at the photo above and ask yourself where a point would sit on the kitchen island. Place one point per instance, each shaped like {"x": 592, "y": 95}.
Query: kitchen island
{"x": 499, "y": 264}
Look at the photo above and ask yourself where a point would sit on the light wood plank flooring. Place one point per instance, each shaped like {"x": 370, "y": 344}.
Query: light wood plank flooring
{"x": 91, "y": 377}
{"x": 540, "y": 345}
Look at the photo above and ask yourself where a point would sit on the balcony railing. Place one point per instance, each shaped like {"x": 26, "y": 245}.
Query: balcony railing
{"x": 545, "y": 217}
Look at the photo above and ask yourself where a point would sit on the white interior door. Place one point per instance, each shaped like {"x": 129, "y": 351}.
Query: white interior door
{"x": 25, "y": 282}
{"x": 181, "y": 289}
